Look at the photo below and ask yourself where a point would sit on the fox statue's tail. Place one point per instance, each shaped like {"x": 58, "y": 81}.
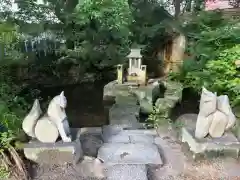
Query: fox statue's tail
{"x": 31, "y": 119}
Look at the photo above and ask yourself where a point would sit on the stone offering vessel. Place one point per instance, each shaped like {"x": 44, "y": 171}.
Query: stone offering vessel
{"x": 215, "y": 115}
{"x": 47, "y": 128}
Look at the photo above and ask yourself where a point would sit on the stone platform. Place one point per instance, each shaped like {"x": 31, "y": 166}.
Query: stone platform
{"x": 55, "y": 153}
{"x": 137, "y": 153}
{"x": 227, "y": 145}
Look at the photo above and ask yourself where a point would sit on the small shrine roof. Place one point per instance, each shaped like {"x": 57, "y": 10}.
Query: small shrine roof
{"x": 135, "y": 53}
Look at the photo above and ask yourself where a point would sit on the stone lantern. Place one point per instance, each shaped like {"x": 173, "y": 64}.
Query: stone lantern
{"x": 136, "y": 72}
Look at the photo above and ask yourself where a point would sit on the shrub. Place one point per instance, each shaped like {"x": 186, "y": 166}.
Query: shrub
{"x": 220, "y": 75}
{"x": 158, "y": 117}
{"x": 213, "y": 43}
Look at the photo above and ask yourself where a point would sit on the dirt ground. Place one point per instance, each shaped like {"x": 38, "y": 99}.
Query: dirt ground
{"x": 180, "y": 166}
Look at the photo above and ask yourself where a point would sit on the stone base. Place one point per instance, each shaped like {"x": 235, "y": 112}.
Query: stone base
{"x": 227, "y": 145}
{"x": 55, "y": 153}
{"x": 113, "y": 89}
{"x": 121, "y": 153}
{"x": 129, "y": 136}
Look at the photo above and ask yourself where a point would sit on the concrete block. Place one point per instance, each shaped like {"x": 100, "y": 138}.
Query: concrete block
{"x": 55, "y": 153}
{"x": 226, "y": 145}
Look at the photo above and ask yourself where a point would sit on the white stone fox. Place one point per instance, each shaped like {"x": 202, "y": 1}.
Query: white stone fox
{"x": 48, "y": 127}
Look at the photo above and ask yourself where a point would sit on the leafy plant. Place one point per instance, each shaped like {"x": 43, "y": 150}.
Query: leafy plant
{"x": 220, "y": 75}
{"x": 11, "y": 106}
{"x": 11, "y": 161}
{"x": 213, "y": 45}
{"x": 158, "y": 117}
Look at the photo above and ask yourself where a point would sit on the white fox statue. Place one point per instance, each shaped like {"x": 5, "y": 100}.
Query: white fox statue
{"x": 47, "y": 128}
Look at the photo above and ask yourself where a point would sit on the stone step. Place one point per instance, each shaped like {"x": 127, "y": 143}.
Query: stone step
{"x": 121, "y": 153}
{"x": 125, "y": 121}
{"x": 128, "y": 136}
{"x": 124, "y": 115}
{"x": 130, "y": 100}
{"x": 91, "y": 130}
{"x": 114, "y": 129}
{"x": 125, "y": 138}
{"x": 127, "y": 172}
{"x": 118, "y": 110}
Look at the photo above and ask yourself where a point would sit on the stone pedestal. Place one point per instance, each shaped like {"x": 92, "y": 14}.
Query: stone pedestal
{"x": 227, "y": 145}
{"x": 55, "y": 153}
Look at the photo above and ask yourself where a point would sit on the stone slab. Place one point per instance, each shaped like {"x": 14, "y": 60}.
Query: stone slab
{"x": 110, "y": 130}
{"x": 141, "y": 138}
{"x": 91, "y": 130}
{"x": 128, "y": 136}
{"x": 55, "y": 153}
{"x": 121, "y": 153}
{"x": 127, "y": 172}
{"x": 227, "y": 143}
{"x": 124, "y": 115}
{"x": 125, "y": 138}
{"x": 130, "y": 100}
{"x": 113, "y": 89}
{"x": 119, "y": 110}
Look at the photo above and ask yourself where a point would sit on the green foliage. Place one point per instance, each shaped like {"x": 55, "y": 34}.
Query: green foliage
{"x": 9, "y": 41}
{"x": 96, "y": 32}
{"x": 103, "y": 32}
{"x": 220, "y": 75}
{"x": 213, "y": 45}
{"x": 10, "y": 122}
{"x": 12, "y": 109}
{"x": 208, "y": 34}
{"x": 158, "y": 117}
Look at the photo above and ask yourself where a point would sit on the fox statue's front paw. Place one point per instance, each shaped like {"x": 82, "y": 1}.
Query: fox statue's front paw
{"x": 67, "y": 139}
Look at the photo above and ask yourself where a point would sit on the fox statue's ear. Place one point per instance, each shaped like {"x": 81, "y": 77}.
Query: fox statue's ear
{"x": 62, "y": 94}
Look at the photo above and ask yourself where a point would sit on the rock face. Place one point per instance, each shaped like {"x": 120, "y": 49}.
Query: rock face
{"x": 215, "y": 115}
{"x": 50, "y": 126}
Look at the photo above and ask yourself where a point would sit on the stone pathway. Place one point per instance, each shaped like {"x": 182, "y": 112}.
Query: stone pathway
{"x": 129, "y": 152}
{"x": 177, "y": 166}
